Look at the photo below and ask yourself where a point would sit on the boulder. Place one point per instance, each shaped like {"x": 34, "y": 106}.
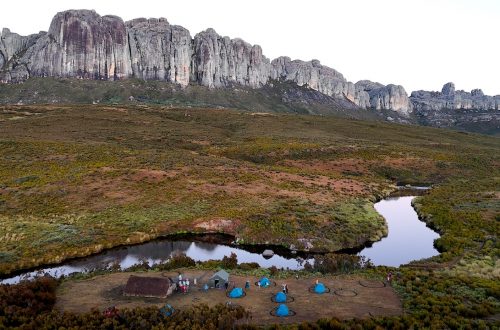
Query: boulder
{"x": 268, "y": 253}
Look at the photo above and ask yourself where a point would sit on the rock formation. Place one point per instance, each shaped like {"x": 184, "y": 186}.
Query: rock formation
{"x": 318, "y": 77}
{"x": 159, "y": 51}
{"x": 219, "y": 61}
{"x": 82, "y": 44}
{"x": 390, "y": 97}
{"x": 449, "y": 98}
{"x": 12, "y": 45}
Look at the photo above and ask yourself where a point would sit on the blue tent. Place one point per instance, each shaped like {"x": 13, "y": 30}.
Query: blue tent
{"x": 282, "y": 310}
{"x": 264, "y": 282}
{"x": 320, "y": 288}
{"x": 236, "y": 293}
{"x": 280, "y": 297}
{"x": 167, "y": 310}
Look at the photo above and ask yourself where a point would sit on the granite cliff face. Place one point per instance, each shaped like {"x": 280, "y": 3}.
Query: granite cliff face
{"x": 220, "y": 61}
{"x": 449, "y": 98}
{"x": 159, "y": 51}
{"x": 12, "y": 47}
{"x": 318, "y": 77}
{"x": 390, "y": 97}
{"x": 83, "y": 44}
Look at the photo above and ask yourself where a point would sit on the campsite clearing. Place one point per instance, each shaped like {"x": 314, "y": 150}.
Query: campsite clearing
{"x": 107, "y": 290}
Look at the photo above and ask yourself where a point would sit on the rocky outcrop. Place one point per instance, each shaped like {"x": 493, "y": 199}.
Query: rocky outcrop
{"x": 12, "y": 47}
{"x": 80, "y": 43}
{"x": 159, "y": 51}
{"x": 318, "y": 77}
{"x": 12, "y": 44}
{"x": 220, "y": 61}
{"x": 390, "y": 97}
{"x": 449, "y": 98}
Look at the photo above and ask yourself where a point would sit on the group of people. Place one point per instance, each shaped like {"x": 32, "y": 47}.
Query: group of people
{"x": 184, "y": 284}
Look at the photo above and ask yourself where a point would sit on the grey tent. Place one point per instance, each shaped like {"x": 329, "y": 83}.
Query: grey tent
{"x": 218, "y": 279}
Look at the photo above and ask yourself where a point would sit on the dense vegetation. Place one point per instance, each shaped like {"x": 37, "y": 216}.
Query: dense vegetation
{"x": 75, "y": 180}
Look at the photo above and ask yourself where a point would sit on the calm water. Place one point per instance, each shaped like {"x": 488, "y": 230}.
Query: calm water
{"x": 156, "y": 252}
{"x": 408, "y": 239}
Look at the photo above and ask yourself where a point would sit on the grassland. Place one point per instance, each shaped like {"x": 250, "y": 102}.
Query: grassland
{"x": 77, "y": 179}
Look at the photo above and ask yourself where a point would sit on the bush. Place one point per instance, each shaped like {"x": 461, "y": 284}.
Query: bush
{"x": 333, "y": 263}
{"x": 230, "y": 262}
{"x": 177, "y": 261}
{"x": 19, "y": 303}
{"x": 248, "y": 266}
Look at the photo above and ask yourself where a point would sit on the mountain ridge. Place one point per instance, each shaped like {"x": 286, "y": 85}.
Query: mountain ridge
{"x": 82, "y": 44}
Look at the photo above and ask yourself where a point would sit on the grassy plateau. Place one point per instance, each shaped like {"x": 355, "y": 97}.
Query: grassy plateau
{"x": 77, "y": 179}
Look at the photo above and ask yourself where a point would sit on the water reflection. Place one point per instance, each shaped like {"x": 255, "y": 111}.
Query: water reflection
{"x": 156, "y": 252}
{"x": 409, "y": 238}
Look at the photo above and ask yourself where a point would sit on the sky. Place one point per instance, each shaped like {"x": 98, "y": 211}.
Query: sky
{"x": 420, "y": 44}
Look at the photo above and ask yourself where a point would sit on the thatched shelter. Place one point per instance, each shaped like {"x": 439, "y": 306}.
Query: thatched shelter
{"x": 156, "y": 287}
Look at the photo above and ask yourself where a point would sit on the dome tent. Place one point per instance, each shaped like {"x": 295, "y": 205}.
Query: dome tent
{"x": 280, "y": 297}
{"x": 264, "y": 282}
{"x": 167, "y": 310}
{"x": 319, "y": 288}
{"x": 282, "y": 310}
{"x": 236, "y": 293}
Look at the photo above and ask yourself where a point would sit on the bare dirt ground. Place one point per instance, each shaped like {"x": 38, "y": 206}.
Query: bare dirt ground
{"x": 347, "y": 298}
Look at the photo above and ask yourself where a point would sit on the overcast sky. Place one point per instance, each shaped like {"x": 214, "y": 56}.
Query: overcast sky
{"x": 420, "y": 44}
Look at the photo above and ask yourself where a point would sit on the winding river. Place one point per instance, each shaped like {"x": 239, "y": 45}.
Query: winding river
{"x": 408, "y": 239}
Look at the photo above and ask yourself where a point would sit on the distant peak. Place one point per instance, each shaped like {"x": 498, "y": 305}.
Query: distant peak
{"x": 448, "y": 89}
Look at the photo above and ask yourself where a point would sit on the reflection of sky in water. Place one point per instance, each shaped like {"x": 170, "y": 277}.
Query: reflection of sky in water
{"x": 156, "y": 252}
{"x": 408, "y": 239}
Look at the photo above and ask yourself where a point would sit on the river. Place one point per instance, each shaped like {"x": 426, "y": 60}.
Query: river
{"x": 408, "y": 239}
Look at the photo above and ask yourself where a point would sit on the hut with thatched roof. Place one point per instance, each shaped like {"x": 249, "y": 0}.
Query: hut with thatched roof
{"x": 157, "y": 287}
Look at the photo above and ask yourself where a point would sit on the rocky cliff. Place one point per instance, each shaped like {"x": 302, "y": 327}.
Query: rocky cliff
{"x": 318, "y": 77}
{"x": 220, "y": 61}
{"x": 390, "y": 97}
{"x": 159, "y": 51}
{"x": 83, "y": 44}
{"x": 449, "y": 98}
{"x": 79, "y": 43}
